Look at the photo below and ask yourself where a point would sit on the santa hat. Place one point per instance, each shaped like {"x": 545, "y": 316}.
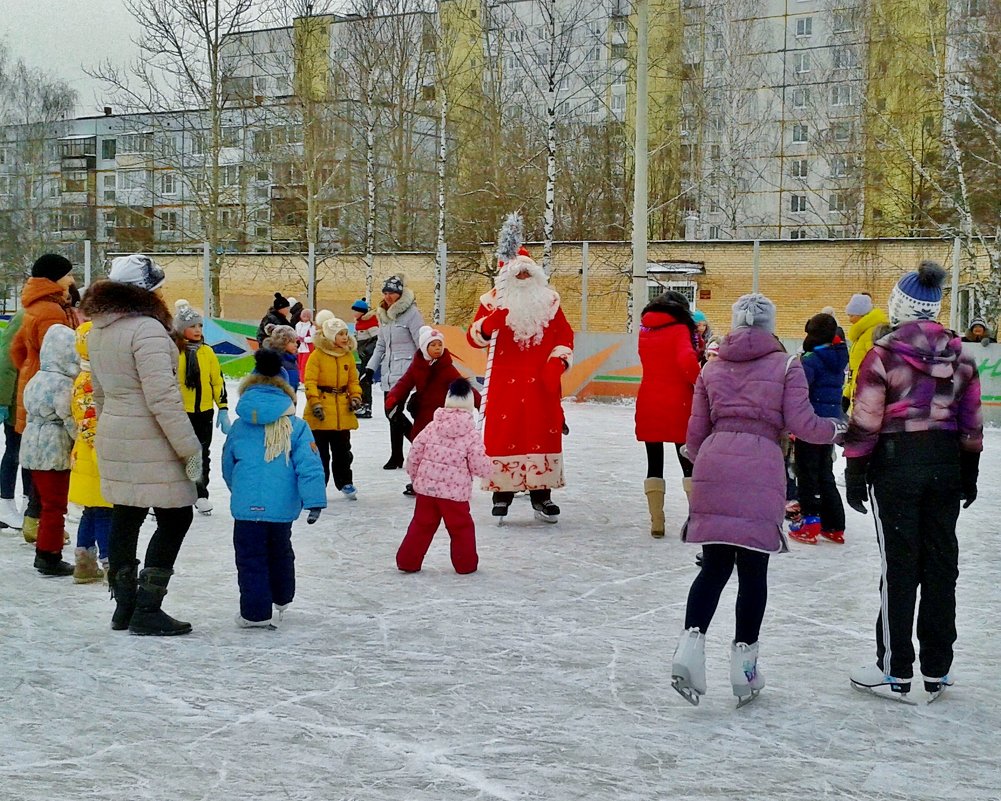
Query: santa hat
{"x": 426, "y": 336}
{"x": 460, "y": 396}
{"x": 918, "y": 295}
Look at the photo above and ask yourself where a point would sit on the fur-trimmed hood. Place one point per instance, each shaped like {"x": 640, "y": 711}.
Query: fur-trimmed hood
{"x": 264, "y": 399}
{"x": 406, "y": 300}
{"x": 327, "y": 345}
{"x": 107, "y": 301}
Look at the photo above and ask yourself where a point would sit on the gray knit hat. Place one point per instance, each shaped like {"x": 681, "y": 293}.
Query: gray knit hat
{"x": 754, "y": 310}
{"x": 185, "y": 316}
{"x": 860, "y": 305}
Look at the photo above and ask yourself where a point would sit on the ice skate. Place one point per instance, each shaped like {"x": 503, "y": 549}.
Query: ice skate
{"x": 204, "y": 506}
{"x": 409, "y": 491}
{"x": 746, "y": 679}
{"x": 688, "y": 668}
{"x": 806, "y": 530}
{"x": 546, "y": 511}
{"x": 936, "y": 687}
{"x": 243, "y": 623}
{"x": 350, "y": 492}
{"x": 500, "y": 511}
{"x": 834, "y": 536}
{"x": 870, "y": 679}
{"x": 281, "y": 614}
{"x": 10, "y": 517}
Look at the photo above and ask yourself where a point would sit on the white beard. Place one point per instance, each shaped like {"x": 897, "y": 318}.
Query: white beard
{"x": 531, "y": 304}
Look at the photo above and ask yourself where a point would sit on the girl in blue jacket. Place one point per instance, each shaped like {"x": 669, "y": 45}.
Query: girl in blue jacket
{"x": 273, "y": 471}
{"x": 825, "y": 357}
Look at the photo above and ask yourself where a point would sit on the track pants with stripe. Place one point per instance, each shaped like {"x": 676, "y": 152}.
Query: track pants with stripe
{"x": 915, "y": 491}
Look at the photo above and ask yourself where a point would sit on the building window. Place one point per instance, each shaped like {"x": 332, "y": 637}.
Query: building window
{"x": 801, "y": 63}
{"x": 841, "y": 94}
{"x": 714, "y": 232}
{"x": 844, "y": 22}
{"x": 262, "y": 141}
{"x": 800, "y": 168}
{"x": 797, "y": 203}
{"x": 4, "y": 185}
{"x": 132, "y": 179}
{"x": 230, "y": 136}
{"x": 842, "y": 166}
{"x": 800, "y": 97}
{"x": 168, "y": 221}
{"x": 75, "y": 181}
{"x": 804, "y": 27}
{"x": 228, "y": 218}
{"x": 168, "y": 183}
{"x": 136, "y": 143}
{"x": 837, "y": 202}
{"x": 976, "y": 8}
{"x": 109, "y": 224}
{"x": 716, "y": 153}
{"x": 618, "y": 102}
{"x": 844, "y": 58}
{"x": 797, "y": 233}
{"x": 618, "y": 50}
{"x": 3, "y": 156}
{"x": 656, "y": 287}
{"x": 800, "y": 133}
{"x": 841, "y": 131}
{"x": 229, "y": 175}
{"x": 109, "y": 185}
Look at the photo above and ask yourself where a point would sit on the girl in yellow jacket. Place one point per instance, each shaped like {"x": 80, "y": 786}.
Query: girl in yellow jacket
{"x": 333, "y": 393}
{"x": 85, "y": 480}
{"x": 202, "y": 388}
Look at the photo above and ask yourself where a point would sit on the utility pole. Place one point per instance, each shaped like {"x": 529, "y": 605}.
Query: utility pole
{"x": 641, "y": 155}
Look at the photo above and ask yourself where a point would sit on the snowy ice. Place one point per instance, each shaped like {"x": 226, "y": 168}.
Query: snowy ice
{"x": 546, "y": 675}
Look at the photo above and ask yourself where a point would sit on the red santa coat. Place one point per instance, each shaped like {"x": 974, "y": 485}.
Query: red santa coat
{"x": 670, "y": 370}
{"x": 523, "y": 426}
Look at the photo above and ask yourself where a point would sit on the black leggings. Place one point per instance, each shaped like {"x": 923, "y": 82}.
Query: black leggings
{"x": 655, "y": 460}
{"x": 752, "y": 590}
{"x": 164, "y": 545}
{"x": 8, "y": 466}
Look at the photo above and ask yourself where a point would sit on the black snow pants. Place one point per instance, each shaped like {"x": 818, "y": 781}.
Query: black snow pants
{"x": 915, "y": 490}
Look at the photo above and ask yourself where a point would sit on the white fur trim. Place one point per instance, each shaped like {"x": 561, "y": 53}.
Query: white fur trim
{"x": 476, "y": 333}
{"x": 524, "y": 472}
{"x": 563, "y": 352}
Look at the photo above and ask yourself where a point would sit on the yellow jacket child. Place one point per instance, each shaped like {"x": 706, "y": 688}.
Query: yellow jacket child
{"x": 210, "y": 389}
{"x": 332, "y": 396}
{"x": 85, "y": 480}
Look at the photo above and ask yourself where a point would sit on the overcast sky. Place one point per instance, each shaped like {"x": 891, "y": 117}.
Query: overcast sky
{"x": 64, "y": 36}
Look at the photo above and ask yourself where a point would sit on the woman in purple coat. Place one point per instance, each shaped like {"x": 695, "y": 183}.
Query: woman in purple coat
{"x": 744, "y": 402}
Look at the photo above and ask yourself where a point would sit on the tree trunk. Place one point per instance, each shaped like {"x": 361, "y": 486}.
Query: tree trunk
{"x": 439, "y": 309}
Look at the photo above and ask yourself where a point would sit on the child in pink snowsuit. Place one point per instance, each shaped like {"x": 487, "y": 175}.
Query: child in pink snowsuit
{"x": 443, "y": 459}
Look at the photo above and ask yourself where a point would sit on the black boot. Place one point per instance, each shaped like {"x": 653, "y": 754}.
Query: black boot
{"x": 122, "y": 586}
{"x": 52, "y": 564}
{"x": 149, "y": 618}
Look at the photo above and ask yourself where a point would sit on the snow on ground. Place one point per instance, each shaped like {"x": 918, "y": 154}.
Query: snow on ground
{"x": 546, "y": 675}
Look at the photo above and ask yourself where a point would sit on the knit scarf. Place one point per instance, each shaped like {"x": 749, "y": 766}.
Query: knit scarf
{"x": 278, "y": 438}
{"x": 192, "y": 371}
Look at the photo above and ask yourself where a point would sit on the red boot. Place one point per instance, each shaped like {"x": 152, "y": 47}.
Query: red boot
{"x": 834, "y": 536}
{"x": 806, "y": 531}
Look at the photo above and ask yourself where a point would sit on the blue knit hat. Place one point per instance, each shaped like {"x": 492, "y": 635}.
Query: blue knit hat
{"x": 918, "y": 295}
{"x": 360, "y": 306}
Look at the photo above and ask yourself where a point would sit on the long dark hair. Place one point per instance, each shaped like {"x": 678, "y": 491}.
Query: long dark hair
{"x": 676, "y": 305}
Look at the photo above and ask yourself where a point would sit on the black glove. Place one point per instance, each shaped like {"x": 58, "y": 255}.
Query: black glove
{"x": 392, "y": 411}
{"x": 367, "y": 374}
{"x": 969, "y": 470}
{"x": 314, "y": 515}
{"x": 318, "y": 412}
{"x": 856, "y": 487}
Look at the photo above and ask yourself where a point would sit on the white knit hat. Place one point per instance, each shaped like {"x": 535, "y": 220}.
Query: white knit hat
{"x": 332, "y": 326}
{"x": 426, "y": 336}
{"x": 322, "y": 316}
{"x": 460, "y": 396}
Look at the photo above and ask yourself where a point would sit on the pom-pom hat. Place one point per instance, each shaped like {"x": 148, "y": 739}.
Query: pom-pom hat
{"x": 280, "y": 302}
{"x": 460, "y": 396}
{"x": 185, "y": 316}
{"x": 360, "y": 306}
{"x": 917, "y": 295}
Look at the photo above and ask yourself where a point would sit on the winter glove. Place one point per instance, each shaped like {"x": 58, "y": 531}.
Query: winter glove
{"x": 492, "y": 322}
{"x": 856, "y": 487}
{"x": 354, "y": 403}
{"x": 318, "y": 413}
{"x": 366, "y": 375}
{"x": 552, "y": 372}
{"x": 314, "y": 515}
{"x": 392, "y": 411}
{"x": 969, "y": 470}
{"x": 193, "y": 467}
{"x": 222, "y": 422}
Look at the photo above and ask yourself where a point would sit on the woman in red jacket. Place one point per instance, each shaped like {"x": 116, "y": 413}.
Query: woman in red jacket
{"x": 429, "y": 376}
{"x": 670, "y": 368}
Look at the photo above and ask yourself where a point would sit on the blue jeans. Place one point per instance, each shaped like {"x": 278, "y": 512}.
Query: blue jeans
{"x": 94, "y": 529}
{"x": 265, "y": 566}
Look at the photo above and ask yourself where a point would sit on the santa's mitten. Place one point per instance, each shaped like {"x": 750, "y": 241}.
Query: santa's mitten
{"x": 552, "y": 373}
{"x": 493, "y": 322}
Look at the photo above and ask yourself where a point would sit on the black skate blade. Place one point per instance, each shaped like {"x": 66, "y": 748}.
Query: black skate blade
{"x": 900, "y": 698}
{"x": 685, "y": 691}
{"x": 744, "y": 700}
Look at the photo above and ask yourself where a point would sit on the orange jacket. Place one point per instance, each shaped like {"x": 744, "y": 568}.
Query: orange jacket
{"x": 44, "y": 305}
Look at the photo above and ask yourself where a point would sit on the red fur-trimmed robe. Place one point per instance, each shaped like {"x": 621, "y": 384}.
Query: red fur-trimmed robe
{"x": 523, "y": 429}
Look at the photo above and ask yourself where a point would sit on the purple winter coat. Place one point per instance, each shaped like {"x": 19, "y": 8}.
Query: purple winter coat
{"x": 744, "y": 402}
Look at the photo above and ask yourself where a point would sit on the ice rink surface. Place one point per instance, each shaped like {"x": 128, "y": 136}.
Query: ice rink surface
{"x": 546, "y": 675}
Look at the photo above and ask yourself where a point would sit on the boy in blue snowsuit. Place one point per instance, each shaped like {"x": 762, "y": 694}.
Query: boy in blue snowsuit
{"x": 825, "y": 357}
{"x": 272, "y": 468}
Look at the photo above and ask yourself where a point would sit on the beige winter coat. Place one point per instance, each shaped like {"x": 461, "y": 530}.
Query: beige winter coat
{"x": 143, "y": 434}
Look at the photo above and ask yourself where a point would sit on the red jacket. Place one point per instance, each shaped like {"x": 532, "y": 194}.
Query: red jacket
{"x": 430, "y": 382}
{"x": 670, "y": 370}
